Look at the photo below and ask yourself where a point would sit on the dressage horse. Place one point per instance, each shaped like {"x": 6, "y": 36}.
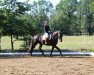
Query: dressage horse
{"x": 37, "y": 39}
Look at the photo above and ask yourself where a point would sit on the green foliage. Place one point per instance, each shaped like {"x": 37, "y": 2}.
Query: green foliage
{"x": 16, "y": 21}
{"x": 66, "y": 20}
{"x": 40, "y": 12}
{"x": 73, "y": 17}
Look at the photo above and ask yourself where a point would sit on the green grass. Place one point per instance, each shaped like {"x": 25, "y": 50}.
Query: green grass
{"x": 6, "y": 43}
{"x": 74, "y": 43}
{"x": 78, "y": 43}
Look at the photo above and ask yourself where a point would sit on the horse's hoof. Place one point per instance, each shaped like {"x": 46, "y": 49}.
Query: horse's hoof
{"x": 44, "y": 55}
{"x": 62, "y": 55}
{"x": 50, "y": 55}
{"x": 31, "y": 55}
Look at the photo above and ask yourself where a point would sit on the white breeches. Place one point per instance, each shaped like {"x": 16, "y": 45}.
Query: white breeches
{"x": 45, "y": 36}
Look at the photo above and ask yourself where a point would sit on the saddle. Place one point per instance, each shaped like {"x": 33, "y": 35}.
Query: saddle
{"x": 46, "y": 38}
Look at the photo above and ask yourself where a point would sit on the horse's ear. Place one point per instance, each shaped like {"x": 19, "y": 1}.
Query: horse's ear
{"x": 61, "y": 30}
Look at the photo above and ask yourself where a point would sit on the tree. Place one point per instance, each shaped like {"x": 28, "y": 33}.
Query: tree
{"x": 40, "y": 11}
{"x": 66, "y": 10}
{"x": 12, "y": 25}
{"x": 89, "y": 11}
{"x": 86, "y": 12}
{"x": 2, "y": 20}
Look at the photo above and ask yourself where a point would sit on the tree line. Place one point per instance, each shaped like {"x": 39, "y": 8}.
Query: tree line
{"x": 23, "y": 19}
{"x": 74, "y": 17}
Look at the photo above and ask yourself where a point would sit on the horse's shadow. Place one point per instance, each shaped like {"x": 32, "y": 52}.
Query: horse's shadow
{"x": 62, "y": 50}
{"x": 38, "y": 53}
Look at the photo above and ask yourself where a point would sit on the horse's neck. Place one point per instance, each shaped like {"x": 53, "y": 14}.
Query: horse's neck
{"x": 55, "y": 36}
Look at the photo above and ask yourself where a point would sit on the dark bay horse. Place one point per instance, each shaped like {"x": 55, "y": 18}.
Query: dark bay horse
{"x": 37, "y": 39}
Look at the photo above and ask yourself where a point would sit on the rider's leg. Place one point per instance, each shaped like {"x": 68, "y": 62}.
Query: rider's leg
{"x": 46, "y": 38}
{"x": 49, "y": 36}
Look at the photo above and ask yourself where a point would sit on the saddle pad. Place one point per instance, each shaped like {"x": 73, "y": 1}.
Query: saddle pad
{"x": 45, "y": 36}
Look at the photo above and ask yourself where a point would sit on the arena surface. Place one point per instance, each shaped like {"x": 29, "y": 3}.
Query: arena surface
{"x": 38, "y": 65}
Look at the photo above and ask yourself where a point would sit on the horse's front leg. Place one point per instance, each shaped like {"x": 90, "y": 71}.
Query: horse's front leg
{"x": 58, "y": 50}
{"x": 40, "y": 46}
{"x": 52, "y": 51}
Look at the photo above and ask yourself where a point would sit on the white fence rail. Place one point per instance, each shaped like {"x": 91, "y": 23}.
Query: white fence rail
{"x": 48, "y": 53}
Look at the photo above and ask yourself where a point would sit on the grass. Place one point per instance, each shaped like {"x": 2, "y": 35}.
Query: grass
{"x": 74, "y": 43}
{"x": 6, "y": 43}
{"x": 78, "y": 43}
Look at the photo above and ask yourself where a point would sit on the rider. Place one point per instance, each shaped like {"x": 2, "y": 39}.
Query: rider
{"x": 47, "y": 31}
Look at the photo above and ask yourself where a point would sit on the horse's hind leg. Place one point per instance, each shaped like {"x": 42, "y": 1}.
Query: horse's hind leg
{"x": 32, "y": 47}
{"x": 40, "y": 46}
{"x": 52, "y": 51}
{"x": 59, "y": 50}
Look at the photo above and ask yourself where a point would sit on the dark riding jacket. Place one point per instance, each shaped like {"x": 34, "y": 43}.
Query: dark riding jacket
{"x": 47, "y": 29}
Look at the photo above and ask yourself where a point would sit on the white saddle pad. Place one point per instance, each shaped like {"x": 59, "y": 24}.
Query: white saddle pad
{"x": 45, "y": 36}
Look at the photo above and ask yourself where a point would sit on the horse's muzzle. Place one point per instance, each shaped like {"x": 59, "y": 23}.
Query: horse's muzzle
{"x": 60, "y": 40}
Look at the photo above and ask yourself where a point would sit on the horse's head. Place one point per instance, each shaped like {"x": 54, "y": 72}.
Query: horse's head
{"x": 59, "y": 34}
